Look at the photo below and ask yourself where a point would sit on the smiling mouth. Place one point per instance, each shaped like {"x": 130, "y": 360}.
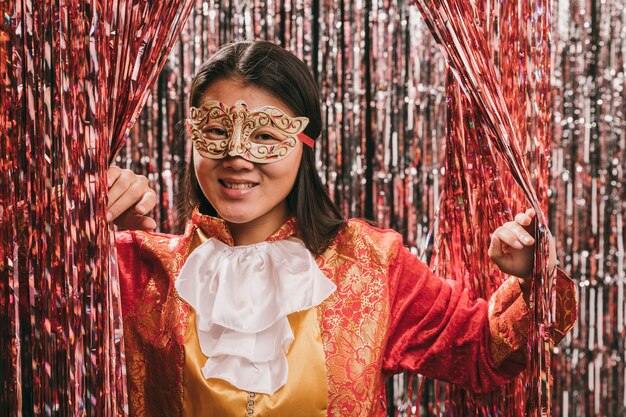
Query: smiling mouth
{"x": 238, "y": 186}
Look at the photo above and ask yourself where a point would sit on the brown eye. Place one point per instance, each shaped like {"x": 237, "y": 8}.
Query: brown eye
{"x": 266, "y": 138}
{"x": 215, "y": 133}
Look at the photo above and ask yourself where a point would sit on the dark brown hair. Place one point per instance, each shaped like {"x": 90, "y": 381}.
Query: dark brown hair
{"x": 279, "y": 72}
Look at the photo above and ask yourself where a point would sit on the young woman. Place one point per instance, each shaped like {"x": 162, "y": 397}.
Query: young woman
{"x": 270, "y": 303}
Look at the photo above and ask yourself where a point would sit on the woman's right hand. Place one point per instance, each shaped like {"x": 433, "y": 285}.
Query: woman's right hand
{"x": 130, "y": 200}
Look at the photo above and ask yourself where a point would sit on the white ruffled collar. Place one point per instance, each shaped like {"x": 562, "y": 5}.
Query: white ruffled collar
{"x": 242, "y": 296}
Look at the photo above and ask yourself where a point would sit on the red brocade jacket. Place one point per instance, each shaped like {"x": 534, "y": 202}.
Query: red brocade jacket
{"x": 389, "y": 314}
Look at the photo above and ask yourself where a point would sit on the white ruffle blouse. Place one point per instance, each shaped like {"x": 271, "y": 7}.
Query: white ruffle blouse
{"x": 242, "y": 296}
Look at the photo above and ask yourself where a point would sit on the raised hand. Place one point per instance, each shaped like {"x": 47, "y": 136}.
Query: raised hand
{"x": 512, "y": 246}
{"x": 130, "y": 200}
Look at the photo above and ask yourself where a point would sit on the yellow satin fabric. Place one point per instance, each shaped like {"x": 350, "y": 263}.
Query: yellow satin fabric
{"x": 304, "y": 395}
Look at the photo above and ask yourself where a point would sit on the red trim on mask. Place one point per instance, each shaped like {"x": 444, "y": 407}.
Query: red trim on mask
{"x": 306, "y": 140}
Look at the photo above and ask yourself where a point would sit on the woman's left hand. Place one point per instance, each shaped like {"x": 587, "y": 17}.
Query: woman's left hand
{"x": 512, "y": 247}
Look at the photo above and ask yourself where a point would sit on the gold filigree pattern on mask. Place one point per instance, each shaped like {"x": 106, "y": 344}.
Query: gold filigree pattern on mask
{"x": 218, "y": 131}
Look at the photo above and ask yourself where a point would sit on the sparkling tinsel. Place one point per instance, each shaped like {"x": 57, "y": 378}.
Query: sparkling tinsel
{"x": 74, "y": 76}
{"x": 385, "y": 153}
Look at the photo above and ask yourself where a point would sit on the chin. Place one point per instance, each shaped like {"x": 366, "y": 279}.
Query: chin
{"x": 236, "y": 218}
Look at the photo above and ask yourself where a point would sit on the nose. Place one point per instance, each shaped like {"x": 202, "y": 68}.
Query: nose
{"x": 237, "y": 163}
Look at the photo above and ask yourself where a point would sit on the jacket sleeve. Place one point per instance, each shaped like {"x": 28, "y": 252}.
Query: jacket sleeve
{"x": 438, "y": 331}
{"x": 134, "y": 271}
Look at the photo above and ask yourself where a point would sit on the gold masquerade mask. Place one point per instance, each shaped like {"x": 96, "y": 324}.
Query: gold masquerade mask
{"x": 262, "y": 135}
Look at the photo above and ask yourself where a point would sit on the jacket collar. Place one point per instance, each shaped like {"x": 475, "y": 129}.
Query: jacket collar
{"x": 216, "y": 227}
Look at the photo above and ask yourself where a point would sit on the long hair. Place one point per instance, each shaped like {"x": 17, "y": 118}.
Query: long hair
{"x": 279, "y": 72}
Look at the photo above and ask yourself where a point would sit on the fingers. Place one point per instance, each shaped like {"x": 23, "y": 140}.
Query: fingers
{"x": 126, "y": 190}
{"x": 526, "y": 218}
{"x": 521, "y": 233}
{"x": 132, "y": 220}
{"x": 147, "y": 223}
{"x": 130, "y": 200}
{"x": 523, "y": 225}
{"x": 122, "y": 179}
{"x": 508, "y": 236}
{"x": 147, "y": 202}
{"x": 511, "y": 245}
{"x": 112, "y": 174}
{"x": 133, "y": 192}
{"x": 509, "y": 253}
{"x": 495, "y": 249}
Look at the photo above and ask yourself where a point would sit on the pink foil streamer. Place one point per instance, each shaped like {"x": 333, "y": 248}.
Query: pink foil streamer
{"x": 74, "y": 76}
{"x": 456, "y": 27}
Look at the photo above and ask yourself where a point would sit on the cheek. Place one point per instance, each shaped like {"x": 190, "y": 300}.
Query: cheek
{"x": 202, "y": 163}
{"x": 204, "y": 168}
{"x": 283, "y": 173}
{"x": 198, "y": 161}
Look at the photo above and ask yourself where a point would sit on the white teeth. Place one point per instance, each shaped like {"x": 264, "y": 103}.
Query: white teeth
{"x": 238, "y": 186}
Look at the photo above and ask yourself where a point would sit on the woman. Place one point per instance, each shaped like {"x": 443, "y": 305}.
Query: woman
{"x": 270, "y": 303}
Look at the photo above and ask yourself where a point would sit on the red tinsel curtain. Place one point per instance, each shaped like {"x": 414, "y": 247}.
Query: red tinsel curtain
{"x": 496, "y": 164}
{"x": 74, "y": 76}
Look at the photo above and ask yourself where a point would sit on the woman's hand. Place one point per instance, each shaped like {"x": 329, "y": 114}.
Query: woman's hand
{"x": 130, "y": 200}
{"x": 512, "y": 247}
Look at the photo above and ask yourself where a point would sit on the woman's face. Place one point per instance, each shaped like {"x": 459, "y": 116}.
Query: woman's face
{"x": 241, "y": 191}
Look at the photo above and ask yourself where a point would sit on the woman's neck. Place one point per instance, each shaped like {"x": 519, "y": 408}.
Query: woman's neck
{"x": 259, "y": 229}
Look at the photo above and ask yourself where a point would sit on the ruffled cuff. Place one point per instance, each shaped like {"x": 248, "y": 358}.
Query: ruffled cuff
{"x": 508, "y": 320}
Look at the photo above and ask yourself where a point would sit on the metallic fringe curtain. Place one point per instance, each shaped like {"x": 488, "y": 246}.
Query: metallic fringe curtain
{"x": 73, "y": 77}
{"x": 398, "y": 135}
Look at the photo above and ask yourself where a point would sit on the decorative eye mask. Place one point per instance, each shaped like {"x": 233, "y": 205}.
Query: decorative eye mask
{"x": 262, "y": 135}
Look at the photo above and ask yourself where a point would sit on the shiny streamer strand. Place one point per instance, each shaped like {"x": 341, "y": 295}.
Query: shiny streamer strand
{"x": 74, "y": 75}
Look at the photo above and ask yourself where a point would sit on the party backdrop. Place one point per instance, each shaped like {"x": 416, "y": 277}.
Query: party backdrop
{"x": 530, "y": 111}
{"x": 403, "y": 145}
